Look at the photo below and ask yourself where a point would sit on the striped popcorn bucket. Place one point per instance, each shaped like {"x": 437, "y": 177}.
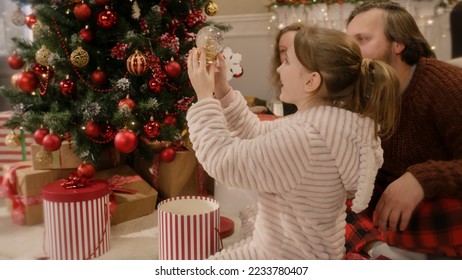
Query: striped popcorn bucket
{"x": 76, "y": 220}
{"x": 188, "y": 228}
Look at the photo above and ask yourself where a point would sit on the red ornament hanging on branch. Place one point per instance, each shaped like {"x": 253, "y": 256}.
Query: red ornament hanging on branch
{"x": 167, "y": 154}
{"x": 125, "y": 141}
{"x": 127, "y": 103}
{"x": 68, "y": 86}
{"x": 15, "y": 61}
{"x": 154, "y": 85}
{"x": 40, "y": 70}
{"x": 82, "y": 12}
{"x": 39, "y": 134}
{"x": 31, "y": 20}
{"x": 86, "y": 34}
{"x": 170, "y": 120}
{"x": 137, "y": 64}
{"x": 86, "y": 170}
{"x": 152, "y": 128}
{"x": 107, "y": 132}
{"x": 27, "y": 81}
{"x": 107, "y": 19}
{"x": 99, "y": 77}
{"x": 239, "y": 74}
{"x": 92, "y": 129}
{"x": 172, "y": 68}
{"x": 51, "y": 142}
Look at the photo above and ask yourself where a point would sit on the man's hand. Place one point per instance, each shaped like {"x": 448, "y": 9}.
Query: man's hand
{"x": 397, "y": 203}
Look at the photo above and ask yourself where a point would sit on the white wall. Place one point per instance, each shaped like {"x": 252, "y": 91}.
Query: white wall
{"x": 239, "y": 7}
{"x": 251, "y": 38}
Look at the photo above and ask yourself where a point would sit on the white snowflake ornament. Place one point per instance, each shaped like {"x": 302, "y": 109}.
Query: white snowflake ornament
{"x": 232, "y": 61}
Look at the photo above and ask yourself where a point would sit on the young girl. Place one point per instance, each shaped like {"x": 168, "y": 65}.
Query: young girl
{"x": 306, "y": 165}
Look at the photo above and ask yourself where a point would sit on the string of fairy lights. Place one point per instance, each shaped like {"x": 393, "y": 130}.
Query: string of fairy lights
{"x": 429, "y": 15}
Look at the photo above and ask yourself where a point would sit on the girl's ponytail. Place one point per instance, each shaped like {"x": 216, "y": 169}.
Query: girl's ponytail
{"x": 378, "y": 96}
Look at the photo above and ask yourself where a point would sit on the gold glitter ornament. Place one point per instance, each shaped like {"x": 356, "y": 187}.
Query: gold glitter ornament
{"x": 80, "y": 57}
{"x": 42, "y": 56}
{"x": 44, "y": 157}
{"x": 211, "y": 8}
{"x": 18, "y": 17}
{"x": 12, "y": 140}
{"x": 37, "y": 29}
{"x": 14, "y": 79}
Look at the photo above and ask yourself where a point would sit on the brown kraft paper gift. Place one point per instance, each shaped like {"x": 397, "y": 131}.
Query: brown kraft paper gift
{"x": 129, "y": 206}
{"x": 182, "y": 176}
{"x": 25, "y": 205}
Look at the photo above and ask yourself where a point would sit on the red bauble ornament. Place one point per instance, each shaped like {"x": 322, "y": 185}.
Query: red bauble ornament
{"x": 170, "y": 120}
{"x": 40, "y": 70}
{"x": 107, "y": 19}
{"x": 154, "y": 86}
{"x": 99, "y": 77}
{"x": 15, "y": 61}
{"x": 51, "y": 142}
{"x": 27, "y": 81}
{"x": 173, "y": 69}
{"x": 102, "y": 2}
{"x": 238, "y": 75}
{"x": 152, "y": 128}
{"x": 86, "y": 34}
{"x": 67, "y": 86}
{"x": 127, "y": 103}
{"x": 107, "y": 131}
{"x": 167, "y": 155}
{"x": 31, "y": 20}
{"x": 39, "y": 134}
{"x": 92, "y": 129}
{"x": 82, "y": 11}
{"x": 125, "y": 141}
{"x": 86, "y": 170}
{"x": 137, "y": 64}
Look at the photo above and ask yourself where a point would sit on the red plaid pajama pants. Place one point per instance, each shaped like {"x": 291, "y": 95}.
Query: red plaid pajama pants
{"x": 435, "y": 229}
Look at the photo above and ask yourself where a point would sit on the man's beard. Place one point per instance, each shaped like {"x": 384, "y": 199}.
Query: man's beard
{"x": 386, "y": 56}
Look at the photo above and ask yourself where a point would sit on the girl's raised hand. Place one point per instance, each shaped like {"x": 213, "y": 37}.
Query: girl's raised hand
{"x": 201, "y": 75}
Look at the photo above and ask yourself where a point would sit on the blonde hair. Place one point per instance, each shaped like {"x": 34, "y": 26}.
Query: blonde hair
{"x": 367, "y": 87}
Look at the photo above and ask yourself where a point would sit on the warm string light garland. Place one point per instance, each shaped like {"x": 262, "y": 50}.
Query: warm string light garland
{"x": 430, "y": 16}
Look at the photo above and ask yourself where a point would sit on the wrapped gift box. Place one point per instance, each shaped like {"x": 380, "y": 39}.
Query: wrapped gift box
{"x": 181, "y": 177}
{"x": 12, "y": 154}
{"x": 65, "y": 158}
{"x": 76, "y": 218}
{"x": 24, "y": 199}
{"x": 138, "y": 201}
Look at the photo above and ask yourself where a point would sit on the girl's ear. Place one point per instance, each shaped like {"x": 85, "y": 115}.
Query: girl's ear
{"x": 398, "y": 47}
{"x": 312, "y": 81}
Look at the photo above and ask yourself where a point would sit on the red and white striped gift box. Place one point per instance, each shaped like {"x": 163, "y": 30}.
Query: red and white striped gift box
{"x": 188, "y": 228}
{"x": 12, "y": 154}
{"x": 76, "y": 220}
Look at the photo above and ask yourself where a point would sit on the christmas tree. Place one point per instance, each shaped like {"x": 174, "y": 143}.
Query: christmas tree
{"x": 105, "y": 73}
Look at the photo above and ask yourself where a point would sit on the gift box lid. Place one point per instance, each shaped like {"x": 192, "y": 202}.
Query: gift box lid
{"x": 91, "y": 189}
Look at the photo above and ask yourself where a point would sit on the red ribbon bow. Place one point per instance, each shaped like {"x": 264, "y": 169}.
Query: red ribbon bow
{"x": 74, "y": 182}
